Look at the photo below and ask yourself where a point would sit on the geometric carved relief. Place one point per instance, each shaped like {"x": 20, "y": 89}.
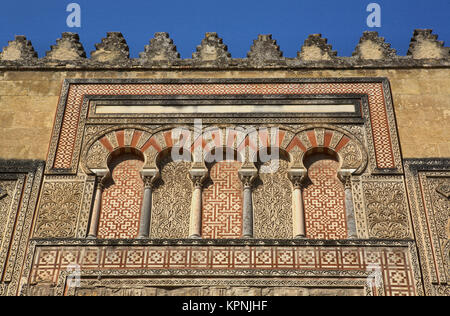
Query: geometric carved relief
{"x": 272, "y": 204}
{"x": 223, "y": 202}
{"x": 386, "y": 210}
{"x": 171, "y": 201}
{"x": 324, "y": 200}
{"x": 59, "y": 209}
{"x": 66, "y": 143}
{"x": 122, "y": 199}
{"x": 143, "y": 262}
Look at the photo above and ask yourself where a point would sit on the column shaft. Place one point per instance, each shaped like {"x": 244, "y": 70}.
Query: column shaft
{"x": 95, "y": 218}
{"x": 195, "y": 227}
{"x": 349, "y": 210}
{"x": 299, "y": 213}
{"x": 247, "y": 216}
{"x": 144, "y": 226}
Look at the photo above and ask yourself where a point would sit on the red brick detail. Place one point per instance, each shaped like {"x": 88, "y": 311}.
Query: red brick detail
{"x": 394, "y": 263}
{"x": 198, "y": 142}
{"x": 264, "y": 138}
{"x": 68, "y": 135}
{"x": 122, "y": 200}
{"x": 223, "y": 203}
{"x": 324, "y": 202}
{"x": 231, "y": 138}
{"x": 312, "y": 138}
{"x": 248, "y": 142}
{"x": 296, "y": 143}
{"x": 344, "y": 141}
{"x": 120, "y": 136}
{"x": 168, "y": 139}
{"x": 281, "y": 136}
{"x": 151, "y": 142}
{"x": 327, "y": 138}
{"x": 105, "y": 142}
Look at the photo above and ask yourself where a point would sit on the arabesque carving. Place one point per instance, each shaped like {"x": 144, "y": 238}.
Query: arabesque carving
{"x": 386, "y": 210}
{"x": 272, "y": 203}
{"x": 172, "y": 201}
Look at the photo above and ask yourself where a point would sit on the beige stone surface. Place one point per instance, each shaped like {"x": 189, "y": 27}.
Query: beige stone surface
{"x": 28, "y": 101}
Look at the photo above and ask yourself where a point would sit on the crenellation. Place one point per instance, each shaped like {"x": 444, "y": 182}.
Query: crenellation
{"x": 212, "y": 51}
{"x": 424, "y": 45}
{"x": 372, "y": 46}
{"x": 160, "y": 51}
{"x": 112, "y": 49}
{"x": 67, "y": 48}
{"x": 372, "y": 52}
{"x": 20, "y": 50}
{"x": 316, "y": 48}
{"x": 264, "y": 51}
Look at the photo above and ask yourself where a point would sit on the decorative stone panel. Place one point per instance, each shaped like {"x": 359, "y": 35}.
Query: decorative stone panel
{"x": 172, "y": 201}
{"x": 272, "y": 203}
{"x": 313, "y": 264}
{"x": 384, "y": 152}
{"x": 59, "y": 209}
{"x": 20, "y": 182}
{"x": 223, "y": 202}
{"x": 122, "y": 199}
{"x": 387, "y": 210}
{"x": 428, "y": 181}
{"x": 324, "y": 202}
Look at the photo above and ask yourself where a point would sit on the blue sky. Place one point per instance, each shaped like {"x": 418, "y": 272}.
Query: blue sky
{"x": 238, "y": 22}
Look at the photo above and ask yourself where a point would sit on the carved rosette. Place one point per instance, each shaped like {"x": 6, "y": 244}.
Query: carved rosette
{"x": 352, "y": 156}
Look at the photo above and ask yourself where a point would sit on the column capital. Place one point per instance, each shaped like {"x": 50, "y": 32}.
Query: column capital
{"x": 346, "y": 177}
{"x": 248, "y": 176}
{"x": 198, "y": 177}
{"x": 150, "y": 176}
{"x": 101, "y": 176}
{"x": 297, "y": 176}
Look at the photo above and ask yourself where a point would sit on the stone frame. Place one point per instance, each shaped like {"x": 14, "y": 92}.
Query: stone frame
{"x": 433, "y": 264}
{"x": 84, "y": 110}
{"x": 28, "y": 175}
{"x": 309, "y": 275}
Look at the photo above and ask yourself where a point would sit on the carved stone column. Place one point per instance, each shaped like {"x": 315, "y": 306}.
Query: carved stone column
{"x": 150, "y": 177}
{"x": 198, "y": 177}
{"x": 346, "y": 178}
{"x": 297, "y": 177}
{"x": 247, "y": 176}
{"x": 95, "y": 216}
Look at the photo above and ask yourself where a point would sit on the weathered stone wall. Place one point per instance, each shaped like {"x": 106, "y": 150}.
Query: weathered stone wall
{"x": 30, "y": 87}
{"x": 28, "y": 101}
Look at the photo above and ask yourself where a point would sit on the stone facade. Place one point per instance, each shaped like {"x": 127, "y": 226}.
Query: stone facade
{"x": 108, "y": 188}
